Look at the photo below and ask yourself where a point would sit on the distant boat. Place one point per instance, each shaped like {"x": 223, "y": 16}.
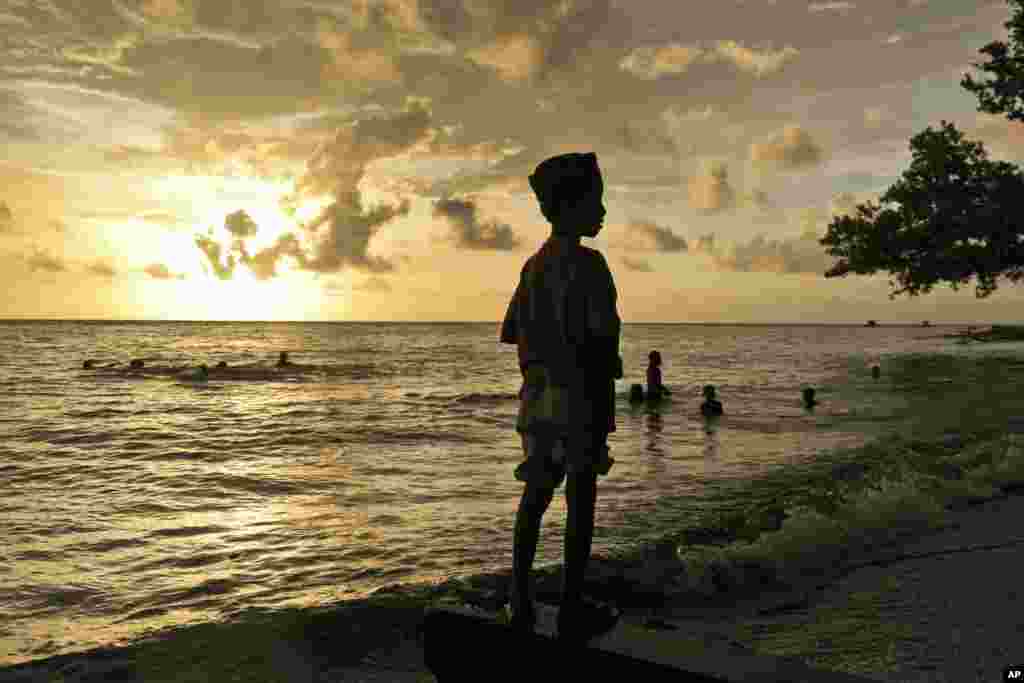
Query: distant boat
{"x": 871, "y": 323}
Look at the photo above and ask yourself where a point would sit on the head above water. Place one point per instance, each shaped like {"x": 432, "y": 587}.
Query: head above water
{"x": 654, "y": 357}
{"x": 222, "y": 364}
{"x": 283, "y": 358}
{"x": 709, "y": 391}
{"x": 137, "y": 363}
{"x": 88, "y": 364}
{"x": 808, "y": 394}
{"x": 570, "y": 189}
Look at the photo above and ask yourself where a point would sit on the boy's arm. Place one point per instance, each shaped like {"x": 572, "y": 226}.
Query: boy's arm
{"x": 510, "y": 326}
{"x": 604, "y": 326}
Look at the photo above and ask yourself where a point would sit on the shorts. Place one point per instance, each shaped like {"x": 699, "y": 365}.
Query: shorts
{"x": 549, "y": 457}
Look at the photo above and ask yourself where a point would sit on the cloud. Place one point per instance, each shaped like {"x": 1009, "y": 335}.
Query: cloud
{"x": 757, "y": 62}
{"x": 636, "y": 265}
{"x": 469, "y": 232}
{"x": 651, "y": 63}
{"x": 709, "y": 190}
{"x": 342, "y": 232}
{"x": 101, "y": 269}
{"x": 830, "y": 6}
{"x": 515, "y": 57}
{"x": 40, "y": 260}
{"x": 212, "y": 250}
{"x": 873, "y": 117}
{"x": 240, "y": 224}
{"x": 654, "y": 237}
{"x": 798, "y": 255}
{"x": 263, "y": 264}
{"x": 793, "y": 148}
{"x": 6, "y": 218}
{"x": 843, "y": 204}
{"x": 373, "y": 284}
{"x": 352, "y": 62}
{"x": 159, "y": 271}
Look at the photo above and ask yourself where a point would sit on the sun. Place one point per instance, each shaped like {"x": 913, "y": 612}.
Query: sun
{"x": 291, "y": 295}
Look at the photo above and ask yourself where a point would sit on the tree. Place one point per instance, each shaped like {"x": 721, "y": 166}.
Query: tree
{"x": 952, "y": 215}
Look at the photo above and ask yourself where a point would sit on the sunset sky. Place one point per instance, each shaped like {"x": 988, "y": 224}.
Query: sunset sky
{"x": 367, "y": 159}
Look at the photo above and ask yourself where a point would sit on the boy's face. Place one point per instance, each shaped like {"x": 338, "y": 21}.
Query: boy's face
{"x": 588, "y": 211}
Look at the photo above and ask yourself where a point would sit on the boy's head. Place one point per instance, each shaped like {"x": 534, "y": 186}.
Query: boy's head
{"x": 654, "y": 357}
{"x": 569, "y": 189}
{"x": 709, "y": 391}
{"x": 808, "y": 394}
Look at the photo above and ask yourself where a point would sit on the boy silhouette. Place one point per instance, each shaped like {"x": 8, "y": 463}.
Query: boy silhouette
{"x": 564, "y": 321}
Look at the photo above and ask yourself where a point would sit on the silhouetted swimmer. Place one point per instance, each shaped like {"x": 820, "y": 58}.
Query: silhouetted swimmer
{"x": 283, "y": 361}
{"x": 636, "y": 393}
{"x": 88, "y": 365}
{"x": 137, "y": 363}
{"x": 711, "y": 407}
{"x": 221, "y": 365}
{"x": 876, "y": 371}
{"x": 809, "y": 401}
{"x": 655, "y": 389}
{"x": 200, "y": 374}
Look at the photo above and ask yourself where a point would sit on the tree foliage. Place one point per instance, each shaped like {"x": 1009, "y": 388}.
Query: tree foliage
{"x": 953, "y": 214}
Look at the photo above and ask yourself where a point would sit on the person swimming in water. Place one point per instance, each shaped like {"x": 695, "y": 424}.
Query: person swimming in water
{"x": 200, "y": 374}
{"x": 655, "y": 389}
{"x": 222, "y": 365}
{"x": 137, "y": 363}
{"x": 711, "y": 407}
{"x": 283, "y": 361}
{"x": 88, "y": 364}
{"x": 809, "y": 401}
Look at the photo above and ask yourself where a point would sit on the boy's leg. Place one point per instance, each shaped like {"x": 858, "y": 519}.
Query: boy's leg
{"x": 534, "y": 503}
{"x": 581, "y": 499}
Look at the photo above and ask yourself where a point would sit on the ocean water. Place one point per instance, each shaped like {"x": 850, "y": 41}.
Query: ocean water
{"x": 136, "y": 500}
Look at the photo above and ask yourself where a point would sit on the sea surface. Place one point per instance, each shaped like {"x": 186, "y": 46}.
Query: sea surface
{"x": 136, "y": 500}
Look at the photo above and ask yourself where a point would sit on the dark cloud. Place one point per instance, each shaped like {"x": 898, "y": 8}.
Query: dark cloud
{"x": 341, "y": 234}
{"x": 240, "y": 224}
{"x": 263, "y": 263}
{"x": 658, "y": 238}
{"x": 345, "y": 241}
{"x": 468, "y": 232}
{"x": 40, "y": 260}
{"x": 101, "y": 269}
{"x": 158, "y": 271}
{"x": 212, "y": 250}
{"x": 637, "y": 265}
{"x": 792, "y": 149}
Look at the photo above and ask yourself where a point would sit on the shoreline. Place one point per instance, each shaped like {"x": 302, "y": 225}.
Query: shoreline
{"x": 690, "y": 583}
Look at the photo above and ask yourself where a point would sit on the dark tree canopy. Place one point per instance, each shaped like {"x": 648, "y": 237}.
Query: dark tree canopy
{"x": 953, "y": 214}
{"x": 1004, "y": 94}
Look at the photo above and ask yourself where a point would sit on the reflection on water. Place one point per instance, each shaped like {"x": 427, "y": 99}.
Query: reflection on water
{"x": 133, "y": 502}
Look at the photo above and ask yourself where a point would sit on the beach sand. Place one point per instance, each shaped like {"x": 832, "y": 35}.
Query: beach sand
{"x": 943, "y": 607}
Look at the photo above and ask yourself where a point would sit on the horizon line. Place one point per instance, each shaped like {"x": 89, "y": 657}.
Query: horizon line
{"x": 498, "y": 322}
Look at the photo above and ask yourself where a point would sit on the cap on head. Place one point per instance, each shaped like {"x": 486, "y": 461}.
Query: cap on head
{"x": 562, "y": 178}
